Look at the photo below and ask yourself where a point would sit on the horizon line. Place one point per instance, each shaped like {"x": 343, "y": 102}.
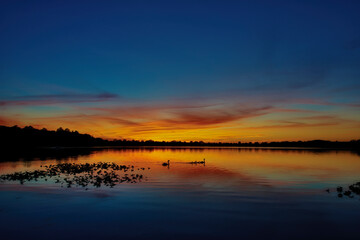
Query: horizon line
{"x": 179, "y": 141}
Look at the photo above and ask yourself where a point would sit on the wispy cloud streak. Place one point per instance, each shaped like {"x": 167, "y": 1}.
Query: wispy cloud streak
{"x": 38, "y": 100}
{"x": 184, "y": 119}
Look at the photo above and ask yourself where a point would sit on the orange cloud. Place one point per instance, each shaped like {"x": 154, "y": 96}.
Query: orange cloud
{"x": 211, "y": 120}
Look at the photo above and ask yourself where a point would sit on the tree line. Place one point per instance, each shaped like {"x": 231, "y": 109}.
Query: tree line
{"x": 31, "y": 137}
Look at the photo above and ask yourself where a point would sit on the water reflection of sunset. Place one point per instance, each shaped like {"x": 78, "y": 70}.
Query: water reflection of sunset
{"x": 224, "y": 166}
{"x": 237, "y": 186}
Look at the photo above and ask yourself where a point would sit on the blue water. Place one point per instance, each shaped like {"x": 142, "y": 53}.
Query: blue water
{"x": 247, "y": 200}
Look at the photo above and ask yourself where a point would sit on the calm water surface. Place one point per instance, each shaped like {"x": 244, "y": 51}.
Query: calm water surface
{"x": 239, "y": 193}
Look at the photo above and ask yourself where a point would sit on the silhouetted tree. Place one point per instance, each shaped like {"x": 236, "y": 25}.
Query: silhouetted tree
{"x": 30, "y": 137}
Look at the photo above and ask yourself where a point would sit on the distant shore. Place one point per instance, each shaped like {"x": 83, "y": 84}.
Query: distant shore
{"x": 30, "y": 138}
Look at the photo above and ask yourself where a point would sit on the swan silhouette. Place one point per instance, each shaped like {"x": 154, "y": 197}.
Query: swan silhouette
{"x": 166, "y": 164}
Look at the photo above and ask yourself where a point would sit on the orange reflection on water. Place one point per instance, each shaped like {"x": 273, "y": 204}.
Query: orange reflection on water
{"x": 223, "y": 166}
{"x": 268, "y": 164}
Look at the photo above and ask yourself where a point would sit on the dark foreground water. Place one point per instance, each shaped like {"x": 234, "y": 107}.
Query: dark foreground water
{"x": 236, "y": 194}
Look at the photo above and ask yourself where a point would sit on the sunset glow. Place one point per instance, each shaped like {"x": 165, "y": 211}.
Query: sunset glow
{"x": 210, "y": 121}
{"x": 190, "y": 72}
{"x": 178, "y": 119}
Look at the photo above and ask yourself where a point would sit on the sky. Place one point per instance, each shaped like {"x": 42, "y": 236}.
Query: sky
{"x": 183, "y": 70}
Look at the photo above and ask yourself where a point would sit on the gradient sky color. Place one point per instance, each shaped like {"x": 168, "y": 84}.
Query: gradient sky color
{"x": 183, "y": 70}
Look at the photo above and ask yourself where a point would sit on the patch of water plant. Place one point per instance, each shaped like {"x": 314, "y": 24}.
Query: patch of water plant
{"x": 81, "y": 174}
{"x": 351, "y": 191}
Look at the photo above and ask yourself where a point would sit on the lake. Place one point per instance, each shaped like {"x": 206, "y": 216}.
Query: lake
{"x": 242, "y": 193}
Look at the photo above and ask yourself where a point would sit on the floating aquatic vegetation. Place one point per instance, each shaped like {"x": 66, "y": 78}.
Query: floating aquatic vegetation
{"x": 352, "y": 191}
{"x": 81, "y": 175}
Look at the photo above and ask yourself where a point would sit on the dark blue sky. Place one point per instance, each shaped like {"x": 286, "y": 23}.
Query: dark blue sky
{"x": 198, "y": 51}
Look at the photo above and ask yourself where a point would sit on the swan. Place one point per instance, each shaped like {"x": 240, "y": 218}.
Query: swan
{"x": 166, "y": 164}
